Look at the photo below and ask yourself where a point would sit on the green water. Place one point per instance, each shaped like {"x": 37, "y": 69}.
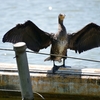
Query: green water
{"x": 57, "y": 97}
{"x": 10, "y": 99}
{"x": 16, "y": 95}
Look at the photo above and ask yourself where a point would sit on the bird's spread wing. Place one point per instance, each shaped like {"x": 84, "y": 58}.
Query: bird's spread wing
{"x": 29, "y": 33}
{"x": 85, "y": 39}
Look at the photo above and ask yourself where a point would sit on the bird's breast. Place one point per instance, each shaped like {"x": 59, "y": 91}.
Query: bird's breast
{"x": 62, "y": 45}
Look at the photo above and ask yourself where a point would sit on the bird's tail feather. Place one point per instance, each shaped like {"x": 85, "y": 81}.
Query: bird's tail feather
{"x": 47, "y": 59}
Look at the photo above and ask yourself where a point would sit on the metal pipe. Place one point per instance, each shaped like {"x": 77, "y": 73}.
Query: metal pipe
{"x": 23, "y": 70}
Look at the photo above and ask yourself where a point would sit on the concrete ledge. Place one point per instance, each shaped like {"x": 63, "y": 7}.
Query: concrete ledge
{"x": 69, "y": 81}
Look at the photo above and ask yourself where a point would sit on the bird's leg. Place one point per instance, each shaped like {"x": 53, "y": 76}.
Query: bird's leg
{"x": 55, "y": 68}
{"x": 63, "y": 62}
{"x": 54, "y": 63}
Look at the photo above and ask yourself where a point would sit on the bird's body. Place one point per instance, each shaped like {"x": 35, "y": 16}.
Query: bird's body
{"x": 59, "y": 44}
{"x": 58, "y": 47}
{"x": 36, "y": 39}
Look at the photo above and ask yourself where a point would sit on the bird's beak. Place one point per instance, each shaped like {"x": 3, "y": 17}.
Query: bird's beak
{"x": 64, "y": 15}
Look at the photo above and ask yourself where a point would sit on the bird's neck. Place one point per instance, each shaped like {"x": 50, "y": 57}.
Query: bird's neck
{"x": 60, "y": 22}
{"x": 62, "y": 31}
{"x": 61, "y": 26}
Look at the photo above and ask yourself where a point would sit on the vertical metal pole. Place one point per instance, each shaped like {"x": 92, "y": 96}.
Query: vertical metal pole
{"x": 23, "y": 70}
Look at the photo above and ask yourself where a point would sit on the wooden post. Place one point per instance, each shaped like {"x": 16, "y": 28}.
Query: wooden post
{"x": 23, "y": 70}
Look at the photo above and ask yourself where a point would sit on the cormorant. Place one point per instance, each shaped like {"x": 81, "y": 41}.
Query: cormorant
{"x": 36, "y": 39}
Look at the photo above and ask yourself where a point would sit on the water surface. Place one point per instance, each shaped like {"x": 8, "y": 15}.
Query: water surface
{"x": 44, "y": 14}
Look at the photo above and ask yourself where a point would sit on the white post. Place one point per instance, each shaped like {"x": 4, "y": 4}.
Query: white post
{"x": 23, "y": 70}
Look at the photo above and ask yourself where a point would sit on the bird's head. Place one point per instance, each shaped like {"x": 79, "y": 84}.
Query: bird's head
{"x": 61, "y": 17}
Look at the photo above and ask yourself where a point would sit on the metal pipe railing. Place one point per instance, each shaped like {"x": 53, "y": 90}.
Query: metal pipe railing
{"x": 23, "y": 70}
{"x": 76, "y": 58}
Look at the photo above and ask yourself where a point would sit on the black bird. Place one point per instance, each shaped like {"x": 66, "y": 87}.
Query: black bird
{"x": 36, "y": 39}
